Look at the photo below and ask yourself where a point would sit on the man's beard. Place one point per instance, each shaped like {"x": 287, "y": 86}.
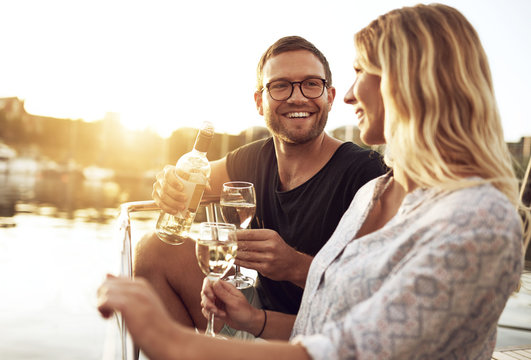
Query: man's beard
{"x": 277, "y": 128}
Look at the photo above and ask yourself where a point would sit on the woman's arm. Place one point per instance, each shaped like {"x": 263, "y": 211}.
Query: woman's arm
{"x": 160, "y": 338}
{"x": 198, "y": 347}
{"x": 229, "y": 305}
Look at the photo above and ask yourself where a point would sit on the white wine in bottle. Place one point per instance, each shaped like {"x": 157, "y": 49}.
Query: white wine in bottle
{"x": 193, "y": 170}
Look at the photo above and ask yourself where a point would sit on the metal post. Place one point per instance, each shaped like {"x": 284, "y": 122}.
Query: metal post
{"x": 124, "y": 222}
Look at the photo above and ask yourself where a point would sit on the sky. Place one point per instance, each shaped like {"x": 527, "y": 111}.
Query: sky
{"x": 166, "y": 64}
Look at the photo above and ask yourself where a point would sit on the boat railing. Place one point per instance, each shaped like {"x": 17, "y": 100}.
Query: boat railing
{"x": 126, "y": 262}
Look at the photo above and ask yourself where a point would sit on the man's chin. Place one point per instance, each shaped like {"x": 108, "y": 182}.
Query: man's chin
{"x": 297, "y": 135}
{"x": 299, "y": 138}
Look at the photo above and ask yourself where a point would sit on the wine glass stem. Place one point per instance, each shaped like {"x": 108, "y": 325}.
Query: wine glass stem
{"x": 210, "y": 326}
{"x": 237, "y": 276}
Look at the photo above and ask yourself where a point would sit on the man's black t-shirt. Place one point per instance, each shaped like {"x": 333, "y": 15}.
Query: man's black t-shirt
{"x": 305, "y": 217}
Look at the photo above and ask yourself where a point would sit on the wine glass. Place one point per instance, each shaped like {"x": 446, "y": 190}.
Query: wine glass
{"x": 215, "y": 250}
{"x": 238, "y": 206}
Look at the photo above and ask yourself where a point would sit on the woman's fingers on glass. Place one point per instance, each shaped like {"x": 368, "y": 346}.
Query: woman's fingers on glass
{"x": 205, "y": 311}
{"x": 207, "y": 298}
{"x": 228, "y": 287}
{"x": 215, "y": 250}
{"x": 206, "y": 290}
{"x": 222, "y": 291}
{"x": 209, "y": 306}
{"x": 209, "y": 295}
{"x": 230, "y": 295}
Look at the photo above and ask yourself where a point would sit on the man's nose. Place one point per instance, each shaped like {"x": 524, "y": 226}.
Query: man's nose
{"x": 296, "y": 95}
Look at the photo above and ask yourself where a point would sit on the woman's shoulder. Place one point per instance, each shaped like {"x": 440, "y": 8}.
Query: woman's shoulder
{"x": 477, "y": 211}
{"x": 476, "y": 198}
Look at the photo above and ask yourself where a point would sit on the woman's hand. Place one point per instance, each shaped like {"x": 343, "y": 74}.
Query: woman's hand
{"x": 138, "y": 303}
{"x": 228, "y": 304}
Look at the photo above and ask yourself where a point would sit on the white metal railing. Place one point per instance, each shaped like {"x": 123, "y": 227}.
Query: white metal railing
{"x": 126, "y": 263}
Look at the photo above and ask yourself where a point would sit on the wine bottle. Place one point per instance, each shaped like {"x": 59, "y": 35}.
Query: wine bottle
{"x": 193, "y": 170}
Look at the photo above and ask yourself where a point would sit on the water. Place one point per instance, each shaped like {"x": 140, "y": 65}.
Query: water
{"x": 50, "y": 269}
{"x": 58, "y": 240}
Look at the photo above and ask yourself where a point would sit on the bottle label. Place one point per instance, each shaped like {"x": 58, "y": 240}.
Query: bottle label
{"x": 196, "y": 197}
{"x": 193, "y": 186}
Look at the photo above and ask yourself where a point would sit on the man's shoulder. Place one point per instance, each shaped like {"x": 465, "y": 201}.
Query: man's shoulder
{"x": 350, "y": 148}
{"x": 244, "y": 160}
{"x": 352, "y": 155}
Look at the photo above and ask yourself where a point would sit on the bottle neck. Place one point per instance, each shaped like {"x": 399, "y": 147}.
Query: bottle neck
{"x": 202, "y": 142}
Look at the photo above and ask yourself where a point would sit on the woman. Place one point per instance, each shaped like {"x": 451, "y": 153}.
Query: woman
{"x": 422, "y": 263}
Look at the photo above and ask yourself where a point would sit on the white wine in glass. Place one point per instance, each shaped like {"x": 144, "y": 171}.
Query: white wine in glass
{"x": 238, "y": 213}
{"x": 215, "y": 250}
{"x": 238, "y": 206}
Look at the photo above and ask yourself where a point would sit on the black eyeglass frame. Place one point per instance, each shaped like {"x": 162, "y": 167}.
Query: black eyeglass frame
{"x": 292, "y": 83}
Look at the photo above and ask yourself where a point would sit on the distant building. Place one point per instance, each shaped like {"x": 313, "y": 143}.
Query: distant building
{"x": 521, "y": 153}
{"x": 12, "y": 107}
{"x": 6, "y": 152}
{"x": 347, "y": 133}
{"x": 254, "y": 133}
{"x": 521, "y": 150}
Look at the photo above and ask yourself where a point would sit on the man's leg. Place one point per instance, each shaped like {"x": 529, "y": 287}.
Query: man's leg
{"x": 174, "y": 273}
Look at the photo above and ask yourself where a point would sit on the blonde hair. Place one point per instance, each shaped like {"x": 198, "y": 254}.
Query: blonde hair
{"x": 441, "y": 119}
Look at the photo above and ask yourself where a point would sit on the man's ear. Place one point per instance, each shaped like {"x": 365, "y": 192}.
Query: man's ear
{"x": 331, "y": 96}
{"x": 258, "y": 101}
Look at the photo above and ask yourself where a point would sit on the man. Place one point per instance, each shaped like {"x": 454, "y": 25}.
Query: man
{"x": 304, "y": 181}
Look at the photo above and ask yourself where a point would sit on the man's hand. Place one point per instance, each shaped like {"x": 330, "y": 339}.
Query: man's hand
{"x": 167, "y": 191}
{"x": 266, "y": 252}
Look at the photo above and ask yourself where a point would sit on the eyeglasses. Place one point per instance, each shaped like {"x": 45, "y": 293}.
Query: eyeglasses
{"x": 281, "y": 90}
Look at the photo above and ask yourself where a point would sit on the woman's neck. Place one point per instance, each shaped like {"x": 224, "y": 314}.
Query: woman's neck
{"x": 403, "y": 180}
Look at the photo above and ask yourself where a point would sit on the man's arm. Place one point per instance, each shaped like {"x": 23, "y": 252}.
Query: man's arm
{"x": 218, "y": 176}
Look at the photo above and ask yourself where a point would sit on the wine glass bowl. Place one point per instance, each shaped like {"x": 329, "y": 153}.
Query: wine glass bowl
{"x": 238, "y": 207}
{"x": 215, "y": 251}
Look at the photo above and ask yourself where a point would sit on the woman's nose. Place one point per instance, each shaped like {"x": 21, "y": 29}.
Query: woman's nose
{"x": 349, "y": 96}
